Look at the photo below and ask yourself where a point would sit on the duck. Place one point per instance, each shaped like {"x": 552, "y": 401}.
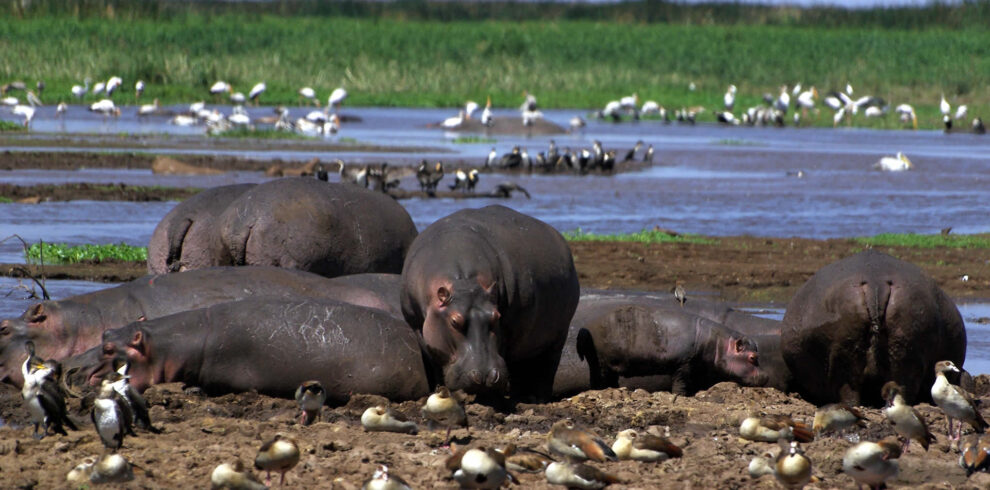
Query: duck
{"x": 576, "y": 444}
{"x": 974, "y": 455}
{"x": 955, "y": 402}
{"x": 310, "y": 396}
{"x": 279, "y": 454}
{"x": 630, "y": 444}
{"x": 234, "y": 476}
{"x": 383, "y": 419}
{"x": 872, "y": 463}
{"x": 442, "y": 408}
{"x": 793, "y": 467}
{"x": 579, "y": 475}
{"x": 478, "y": 468}
{"x": 382, "y": 479}
{"x": 907, "y": 422}
{"x": 897, "y": 163}
{"x": 836, "y": 417}
{"x": 773, "y": 428}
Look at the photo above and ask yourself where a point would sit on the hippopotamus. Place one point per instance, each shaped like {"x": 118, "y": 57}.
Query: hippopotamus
{"x": 186, "y": 238}
{"x": 492, "y": 292}
{"x": 300, "y": 223}
{"x": 628, "y": 338}
{"x": 270, "y": 345}
{"x": 866, "y": 320}
{"x": 67, "y": 327}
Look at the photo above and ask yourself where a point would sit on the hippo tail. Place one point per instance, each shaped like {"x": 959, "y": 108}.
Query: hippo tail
{"x": 176, "y": 235}
{"x": 876, "y": 298}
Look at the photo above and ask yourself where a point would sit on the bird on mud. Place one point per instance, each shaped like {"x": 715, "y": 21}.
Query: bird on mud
{"x": 955, "y": 402}
{"x": 478, "y": 468}
{"x": 577, "y": 444}
{"x": 279, "y": 454}
{"x": 630, "y": 444}
{"x": 383, "y": 419}
{"x": 974, "y": 454}
{"x": 773, "y": 428}
{"x": 443, "y": 409}
{"x": 679, "y": 293}
{"x": 234, "y": 476}
{"x": 793, "y": 468}
{"x": 579, "y": 475}
{"x": 836, "y": 417}
{"x": 631, "y": 154}
{"x": 310, "y": 395}
{"x": 872, "y": 463}
{"x": 382, "y": 479}
{"x": 111, "y": 417}
{"x": 436, "y": 175}
{"x": 525, "y": 460}
{"x": 907, "y": 422}
{"x": 44, "y": 399}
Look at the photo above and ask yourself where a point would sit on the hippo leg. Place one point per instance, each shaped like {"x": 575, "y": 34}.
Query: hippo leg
{"x": 532, "y": 380}
{"x": 680, "y": 381}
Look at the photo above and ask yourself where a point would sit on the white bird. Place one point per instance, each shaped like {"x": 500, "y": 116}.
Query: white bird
{"x": 80, "y": 91}
{"x": 113, "y": 84}
{"x": 220, "y": 87}
{"x": 650, "y": 107}
{"x": 27, "y": 111}
{"x": 894, "y": 164}
{"x": 98, "y": 88}
{"x": 309, "y": 93}
{"x": 796, "y": 90}
{"x": 306, "y": 126}
{"x": 138, "y": 89}
{"x": 872, "y": 463}
{"x": 612, "y": 110}
{"x": 106, "y": 107}
{"x": 730, "y": 98}
{"x": 486, "y": 114}
{"x": 784, "y": 100}
{"x": 237, "y": 98}
{"x": 183, "y": 120}
{"x": 240, "y": 117}
{"x": 317, "y": 116}
{"x": 60, "y": 109}
{"x": 470, "y": 108}
{"x": 256, "y": 92}
{"x": 331, "y": 126}
{"x": 529, "y": 103}
{"x": 961, "y": 112}
{"x": 944, "y": 106}
{"x": 530, "y": 117}
{"x": 849, "y": 89}
{"x": 453, "y": 122}
{"x": 148, "y": 109}
{"x": 196, "y": 107}
{"x": 907, "y": 114}
{"x": 337, "y": 98}
{"x": 874, "y": 111}
{"x": 629, "y": 102}
{"x": 806, "y": 99}
{"x": 10, "y": 100}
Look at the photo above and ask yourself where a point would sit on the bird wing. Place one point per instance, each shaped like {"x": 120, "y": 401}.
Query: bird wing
{"x": 656, "y": 443}
{"x": 592, "y": 474}
{"x": 53, "y": 402}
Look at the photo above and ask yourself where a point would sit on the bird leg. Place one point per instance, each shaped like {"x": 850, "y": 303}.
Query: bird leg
{"x": 281, "y": 481}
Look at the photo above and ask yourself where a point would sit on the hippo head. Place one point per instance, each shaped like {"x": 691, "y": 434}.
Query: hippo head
{"x": 463, "y": 334}
{"x": 737, "y": 357}
{"x": 130, "y": 345}
{"x": 14, "y": 335}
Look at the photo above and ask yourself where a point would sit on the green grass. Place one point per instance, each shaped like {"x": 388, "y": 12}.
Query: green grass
{"x": 473, "y": 139}
{"x": 5, "y": 200}
{"x": 60, "y": 253}
{"x": 417, "y": 55}
{"x": 269, "y": 134}
{"x": 926, "y": 241}
{"x": 645, "y": 236}
{"x": 11, "y": 126}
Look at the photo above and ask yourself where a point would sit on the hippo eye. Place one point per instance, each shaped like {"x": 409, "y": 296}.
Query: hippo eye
{"x": 456, "y": 321}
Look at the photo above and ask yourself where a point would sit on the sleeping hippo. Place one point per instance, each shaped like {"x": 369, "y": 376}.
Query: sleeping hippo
{"x": 492, "y": 292}
{"x": 866, "y": 320}
{"x": 613, "y": 338}
{"x": 270, "y": 345}
{"x": 300, "y": 223}
{"x": 67, "y": 327}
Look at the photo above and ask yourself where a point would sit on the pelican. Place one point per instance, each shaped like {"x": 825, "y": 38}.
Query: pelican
{"x": 309, "y": 93}
{"x": 138, "y": 89}
{"x": 907, "y": 114}
{"x": 470, "y": 108}
{"x": 944, "y": 106}
{"x": 453, "y": 122}
{"x": 650, "y": 107}
{"x": 238, "y": 98}
{"x": 529, "y": 103}
{"x": 148, "y": 109}
{"x": 730, "y": 98}
{"x": 256, "y": 92}
{"x": 113, "y": 84}
{"x": 80, "y": 91}
{"x": 336, "y": 98}
{"x": 183, "y": 120}
{"x": 220, "y": 87}
{"x": 629, "y": 102}
{"x": 486, "y": 115}
{"x": 961, "y": 112}
{"x": 106, "y": 107}
{"x": 894, "y": 164}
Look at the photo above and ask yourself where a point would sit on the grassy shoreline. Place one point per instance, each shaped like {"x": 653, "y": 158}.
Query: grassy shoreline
{"x": 430, "y": 63}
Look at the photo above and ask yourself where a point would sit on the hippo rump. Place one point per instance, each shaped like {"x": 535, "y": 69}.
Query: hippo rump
{"x": 866, "y": 320}
{"x": 270, "y": 345}
{"x": 186, "y": 237}
{"x": 67, "y": 327}
{"x": 613, "y": 339}
{"x": 492, "y": 292}
{"x": 298, "y": 223}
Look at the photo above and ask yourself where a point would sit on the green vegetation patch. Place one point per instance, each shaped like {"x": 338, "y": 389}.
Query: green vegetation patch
{"x": 263, "y": 134}
{"x": 11, "y": 126}
{"x": 645, "y": 236}
{"x": 60, "y": 253}
{"x": 473, "y": 139}
{"x": 926, "y": 241}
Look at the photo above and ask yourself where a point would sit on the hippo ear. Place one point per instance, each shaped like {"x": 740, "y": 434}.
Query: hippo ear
{"x": 491, "y": 287}
{"x": 138, "y": 342}
{"x": 36, "y": 313}
{"x": 443, "y": 296}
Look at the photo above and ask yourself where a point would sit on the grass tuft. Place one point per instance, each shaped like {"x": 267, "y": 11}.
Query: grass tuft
{"x": 645, "y": 236}
{"x": 912, "y": 240}
{"x": 61, "y": 253}
{"x": 11, "y": 126}
{"x": 261, "y": 134}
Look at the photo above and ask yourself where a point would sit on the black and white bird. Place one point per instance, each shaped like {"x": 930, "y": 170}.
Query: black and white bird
{"x": 310, "y": 395}
{"x": 42, "y": 395}
{"x": 111, "y": 417}
{"x": 135, "y": 402}
{"x": 256, "y": 92}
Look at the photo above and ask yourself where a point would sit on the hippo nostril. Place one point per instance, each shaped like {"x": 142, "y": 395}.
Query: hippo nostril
{"x": 475, "y": 376}
{"x": 493, "y": 377}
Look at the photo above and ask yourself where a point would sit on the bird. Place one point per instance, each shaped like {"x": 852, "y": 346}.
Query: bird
{"x": 112, "y": 85}
{"x": 105, "y": 107}
{"x": 220, "y": 87}
{"x": 99, "y": 88}
{"x": 235, "y": 477}
{"x": 111, "y": 468}
{"x": 679, "y": 293}
{"x": 111, "y": 417}
{"x": 578, "y": 475}
{"x": 383, "y": 419}
{"x": 336, "y": 98}
{"x": 453, "y": 121}
{"x": 978, "y": 126}
{"x": 25, "y": 111}
{"x": 974, "y": 455}
{"x": 42, "y": 395}
{"x": 872, "y": 463}
{"x": 793, "y": 468}
{"x": 134, "y": 401}
{"x": 897, "y": 163}
{"x": 577, "y": 123}
{"x": 612, "y": 110}
{"x": 762, "y": 465}
{"x": 836, "y": 417}
{"x": 478, "y": 468}
{"x": 279, "y": 454}
{"x": 631, "y": 154}
{"x": 529, "y": 102}
{"x": 148, "y": 109}
{"x": 525, "y": 460}
{"x": 460, "y": 181}
{"x": 729, "y": 98}
{"x": 629, "y": 444}
{"x": 486, "y": 114}
{"x": 309, "y": 94}
{"x": 944, "y": 106}
{"x": 648, "y": 156}
{"x": 383, "y": 480}
{"x": 783, "y": 101}
{"x": 237, "y": 98}
{"x": 138, "y": 89}
{"x": 774, "y": 427}
{"x": 505, "y": 189}
{"x": 947, "y": 122}
{"x": 906, "y": 112}
{"x": 310, "y": 395}
{"x": 256, "y": 92}
{"x": 529, "y": 118}
{"x": 955, "y": 402}
{"x": 961, "y": 112}
{"x": 60, "y": 109}
{"x": 470, "y": 107}
{"x": 806, "y": 99}
{"x": 472, "y": 179}
{"x": 80, "y": 91}
{"x": 443, "y": 409}
{"x": 492, "y": 158}
{"x": 436, "y": 175}
{"x": 577, "y": 444}
{"x": 79, "y": 476}
{"x": 907, "y": 422}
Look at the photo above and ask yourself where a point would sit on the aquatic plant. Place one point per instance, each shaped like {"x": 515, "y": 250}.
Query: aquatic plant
{"x": 61, "y": 253}
{"x": 473, "y": 139}
{"x": 264, "y": 134}
{"x": 913, "y": 240}
{"x": 11, "y": 126}
{"x": 645, "y": 236}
